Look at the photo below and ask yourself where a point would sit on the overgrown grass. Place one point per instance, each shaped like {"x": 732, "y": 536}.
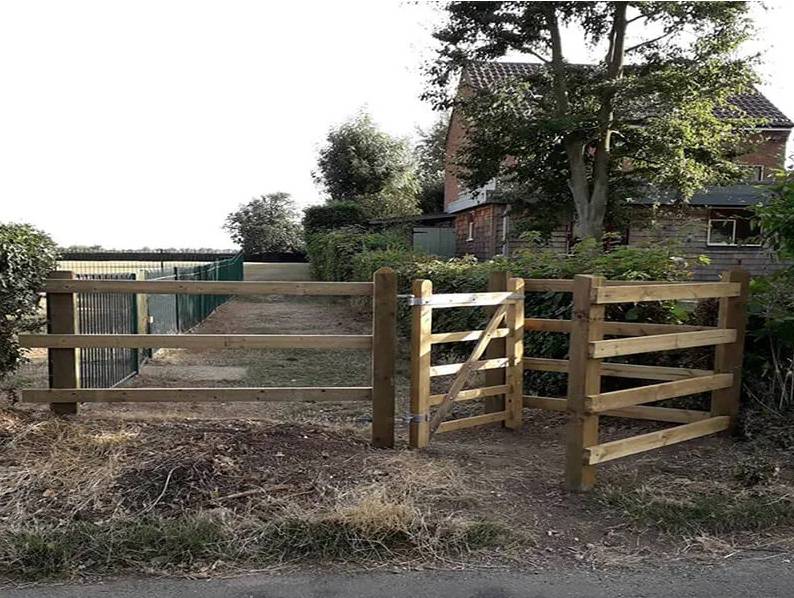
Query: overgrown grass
{"x": 195, "y": 542}
{"x": 714, "y": 512}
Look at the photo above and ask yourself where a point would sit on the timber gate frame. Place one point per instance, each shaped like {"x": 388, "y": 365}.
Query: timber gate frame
{"x": 63, "y": 342}
{"x": 585, "y": 402}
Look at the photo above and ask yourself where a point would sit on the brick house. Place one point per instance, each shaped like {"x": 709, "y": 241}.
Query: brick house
{"x": 715, "y": 223}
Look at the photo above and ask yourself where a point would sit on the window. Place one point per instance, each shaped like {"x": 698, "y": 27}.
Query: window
{"x": 755, "y": 173}
{"x": 471, "y": 230}
{"x": 732, "y": 227}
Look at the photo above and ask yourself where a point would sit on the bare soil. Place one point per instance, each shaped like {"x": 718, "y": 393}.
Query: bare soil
{"x": 171, "y": 457}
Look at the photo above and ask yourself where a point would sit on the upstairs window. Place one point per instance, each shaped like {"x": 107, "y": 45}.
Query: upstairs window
{"x": 755, "y": 173}
{"x": 732, "y": 227}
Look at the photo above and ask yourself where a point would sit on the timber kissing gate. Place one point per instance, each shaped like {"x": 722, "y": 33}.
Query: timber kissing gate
{"x": 502, "y": 345}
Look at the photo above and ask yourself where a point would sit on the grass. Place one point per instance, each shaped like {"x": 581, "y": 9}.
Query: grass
{"x": 197, "y": 542}
{"x": 713, "y": 511}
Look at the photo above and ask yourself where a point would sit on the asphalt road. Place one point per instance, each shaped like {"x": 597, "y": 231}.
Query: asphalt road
{"x": 772, "y": 577}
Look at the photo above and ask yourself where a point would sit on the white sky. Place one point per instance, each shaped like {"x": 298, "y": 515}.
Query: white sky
{"x": 133, "y": 123}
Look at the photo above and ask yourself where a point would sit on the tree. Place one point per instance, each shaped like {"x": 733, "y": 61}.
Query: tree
{"x": 776, "y": 216}
{"x": 430, "y": 155}
{"x": 643, "y": 117}
{"x": 27, "y": 256}
{"x": 363, "y": 164}
{"x": 264, "y": 224}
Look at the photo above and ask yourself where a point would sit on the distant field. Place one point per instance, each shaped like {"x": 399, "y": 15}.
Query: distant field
{"x": 119, "y": 267}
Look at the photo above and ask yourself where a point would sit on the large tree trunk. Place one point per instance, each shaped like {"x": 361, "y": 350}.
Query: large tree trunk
{"x": 591, "y": 205}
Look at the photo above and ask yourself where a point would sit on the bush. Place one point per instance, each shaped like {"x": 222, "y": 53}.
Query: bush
{"x": 331, "y": 253}
{"x": 334, "y": 215}
{"x": 27, "y": 255}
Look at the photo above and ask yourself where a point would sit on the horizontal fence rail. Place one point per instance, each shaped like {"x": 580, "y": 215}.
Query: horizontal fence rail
{"x": 189, "y": 287}
{"x": 152, "y": 395}
{"x": 199, "y": 341}
{"x": 661, "y": 342}
{"x": 665, "y": 292}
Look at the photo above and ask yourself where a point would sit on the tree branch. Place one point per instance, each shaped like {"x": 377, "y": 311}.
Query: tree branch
{"x": 668, "y": 33}
{"x": 538, "y": 56}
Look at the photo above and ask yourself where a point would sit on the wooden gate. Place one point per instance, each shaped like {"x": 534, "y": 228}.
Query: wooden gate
{"x": 508, "y": 307}
{"x": 63, "y": 342}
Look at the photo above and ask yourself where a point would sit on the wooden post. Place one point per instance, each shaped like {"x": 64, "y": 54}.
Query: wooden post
{"x": 63, "y": 364}
{"x": 384, "y": 347}
{"x": 728, "y": 357}
{"x": 584, "y": 378}
{"x": 421, "y": 329}
{"x": 142, "y": 317}
{"x": 497, "y": 281}
{"x": 514, "y": 403}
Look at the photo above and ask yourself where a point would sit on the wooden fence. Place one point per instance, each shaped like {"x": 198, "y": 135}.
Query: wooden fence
{"x": 63, "y": 342}
{"x": 504, "y": 363}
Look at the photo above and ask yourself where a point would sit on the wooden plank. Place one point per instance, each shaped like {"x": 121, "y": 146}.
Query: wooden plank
{"x": 63, "y": 363}
{"x": 471, "y": 394}
{"x": 208, "y": 287}
{"x": 655, "y": 392}
{"x": 728, "y": 358}
{"x": 545, "y": 364}
{"x": 465, "y": 371}
{"x": 612, "y": 328}
{"x": 629, "y": 446}
{"x": 470, "y": 422}
{"x": 497, "y": 281}
{"x": 453, "y": 368}
{"x": 466, "y": 336}
{"x": 384, "y": 351}
{"x": 584, "y": 379}
{"x": 546, "y": 403}
{"x": 200, "y": 341}
{"x": 649, "y": 372}
{"x": 421, "y": 329}
{"x": 514, "y": 319}
{"x": 618, "y": 370}
{"x": 662, "y": 414}
{"x": 158, "y": 395}
{"x": 665, "y": 292}
{"x": 548, "y": 285}
{"x": 465, "y": 299}
{"x": 660, "y": 342}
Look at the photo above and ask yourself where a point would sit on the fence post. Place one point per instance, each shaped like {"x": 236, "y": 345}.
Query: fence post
{"x": 514, "y": 400}
{"x": 728, "y": 358}
{"x": 584, "y": 378}
{"x": 63, "y": 364}
{"x": 497, "y": 281}
{"x": 384, "y": 347}
{"x": 142, "y": 313}
{"x": 421, "y": 329}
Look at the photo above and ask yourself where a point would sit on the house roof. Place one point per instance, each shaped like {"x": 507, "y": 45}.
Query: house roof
{"x": 483, "y": 74}
{"x": 735, "y": 196}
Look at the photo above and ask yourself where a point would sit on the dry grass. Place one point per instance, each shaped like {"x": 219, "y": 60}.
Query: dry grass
{"x": 102, "y": 496}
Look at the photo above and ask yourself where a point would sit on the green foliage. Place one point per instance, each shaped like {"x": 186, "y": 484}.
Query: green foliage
{"x": 769, "y": 350}
{"x": 333, "y": 215}
{"x": 27, "y": 255}
{"x": 331, "y": 253}
{"x": 268, "y": 223}
{"x": 570, "y": 130}
{"x": 776, "y": 216}
{"x": 360, "y": 163}
{"x": 430, "y": 152}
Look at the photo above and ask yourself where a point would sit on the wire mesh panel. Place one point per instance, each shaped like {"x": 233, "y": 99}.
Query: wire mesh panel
{"x": 107, "y": 313}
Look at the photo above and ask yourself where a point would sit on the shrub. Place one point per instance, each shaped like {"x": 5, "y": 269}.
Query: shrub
{"x": 334, "y": 215}
{"x": 331, "y": 253}
{"x": 27, "y": 255}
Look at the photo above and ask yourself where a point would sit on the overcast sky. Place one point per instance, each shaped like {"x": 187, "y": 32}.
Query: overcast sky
{"x": 140, "y": 123}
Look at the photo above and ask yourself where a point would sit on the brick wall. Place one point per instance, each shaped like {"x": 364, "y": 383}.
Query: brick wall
{"x": 483, "y": 235}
